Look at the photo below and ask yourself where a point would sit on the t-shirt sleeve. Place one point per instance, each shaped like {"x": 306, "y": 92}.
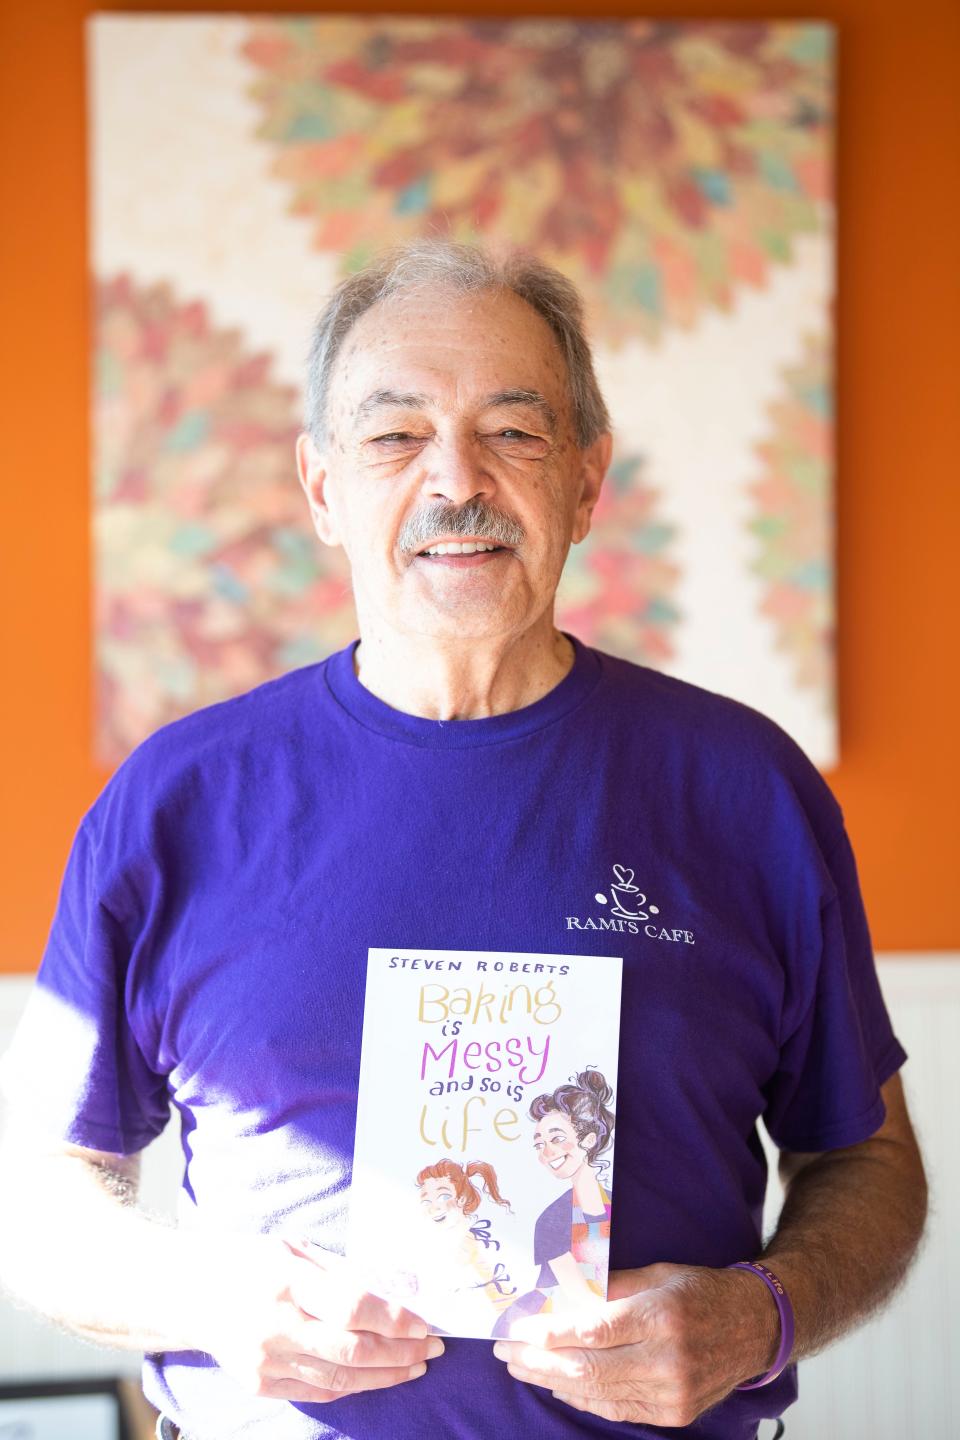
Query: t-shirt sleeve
{"x": 75, "y": 1070}
{"x": 840, "y": 1046}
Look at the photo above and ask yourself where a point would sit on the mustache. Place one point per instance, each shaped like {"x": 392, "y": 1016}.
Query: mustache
{"x": 476, "y": 518}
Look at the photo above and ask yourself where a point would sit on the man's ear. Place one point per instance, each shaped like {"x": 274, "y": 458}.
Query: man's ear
{"x": 311, "y": 468}
{"x": 594, "y": 463}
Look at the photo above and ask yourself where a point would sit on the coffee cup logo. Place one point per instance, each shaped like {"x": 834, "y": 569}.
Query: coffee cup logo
{"x": 629, "y": 905}
{"x": 628, "y": 897}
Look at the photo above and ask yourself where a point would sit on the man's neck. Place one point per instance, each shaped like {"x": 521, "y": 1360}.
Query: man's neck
{"x": 463, "y": 679}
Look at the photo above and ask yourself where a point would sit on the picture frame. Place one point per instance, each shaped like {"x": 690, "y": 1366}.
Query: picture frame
{"x": 51, "y": 1409}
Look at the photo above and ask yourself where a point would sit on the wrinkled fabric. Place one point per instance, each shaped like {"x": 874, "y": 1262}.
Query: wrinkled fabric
{"x": 208, "y": 955}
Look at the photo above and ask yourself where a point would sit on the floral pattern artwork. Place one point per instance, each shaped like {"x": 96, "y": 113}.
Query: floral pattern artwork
{"x": 793, "y": 523}
{"x": 210, "y": 578}
{"x": 680, "y": 172}
{"x": 618, "y": 587}
{"x": 661, "y": 165}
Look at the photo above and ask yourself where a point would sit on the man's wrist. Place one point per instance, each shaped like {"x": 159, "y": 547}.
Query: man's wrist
{"x": 758, "y": 1327}
{"x": 778, "y": 1292}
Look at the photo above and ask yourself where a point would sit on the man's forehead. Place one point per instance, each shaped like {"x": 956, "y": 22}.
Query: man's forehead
{"x": 420, "y": 345}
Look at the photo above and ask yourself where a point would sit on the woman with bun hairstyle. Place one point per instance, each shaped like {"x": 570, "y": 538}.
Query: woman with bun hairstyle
{"x": 571, "y": 1239}
{"x": 449, "y": 1202}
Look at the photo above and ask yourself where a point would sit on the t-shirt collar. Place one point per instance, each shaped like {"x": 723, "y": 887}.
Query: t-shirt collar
{"x": 365, "y": 707}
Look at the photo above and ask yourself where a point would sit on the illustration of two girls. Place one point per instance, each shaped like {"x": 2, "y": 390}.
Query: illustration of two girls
{"x": 573, "y": 1126}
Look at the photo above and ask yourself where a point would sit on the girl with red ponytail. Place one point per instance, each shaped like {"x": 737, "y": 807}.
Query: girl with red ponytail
{"x": 449, "y": 1200}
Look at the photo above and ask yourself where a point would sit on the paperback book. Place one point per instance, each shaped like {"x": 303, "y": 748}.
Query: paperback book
{"x": 483, "y": 1165}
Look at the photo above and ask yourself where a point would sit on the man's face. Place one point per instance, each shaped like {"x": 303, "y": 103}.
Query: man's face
{"x": 437, "y": 403}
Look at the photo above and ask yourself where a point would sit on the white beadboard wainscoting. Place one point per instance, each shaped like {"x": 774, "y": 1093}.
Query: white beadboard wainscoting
{"x": 898, "y": 1378}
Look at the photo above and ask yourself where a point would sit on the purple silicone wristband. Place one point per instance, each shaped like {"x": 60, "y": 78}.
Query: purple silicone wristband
{"x": 785, "y": 1311}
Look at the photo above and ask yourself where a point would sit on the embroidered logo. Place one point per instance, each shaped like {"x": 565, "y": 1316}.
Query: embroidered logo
{"x": 627, "y": 910}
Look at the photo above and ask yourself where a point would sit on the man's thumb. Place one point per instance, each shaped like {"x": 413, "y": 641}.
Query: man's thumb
{"x": 624, "y": 1283}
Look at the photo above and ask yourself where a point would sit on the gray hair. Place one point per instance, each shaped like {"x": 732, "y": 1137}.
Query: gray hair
{"x": 465, "y": 269}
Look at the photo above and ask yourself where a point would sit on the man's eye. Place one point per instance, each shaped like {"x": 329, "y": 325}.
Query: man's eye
{"x": 394, "y": 435}
{"x": 521, "y": 441}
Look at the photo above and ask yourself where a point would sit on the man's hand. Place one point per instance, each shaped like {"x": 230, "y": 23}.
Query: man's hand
{"x": 670, "y": 1342}
{"x": 288, "y": 1322}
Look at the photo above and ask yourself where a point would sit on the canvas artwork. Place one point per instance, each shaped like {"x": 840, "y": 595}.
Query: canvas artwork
{"x": 483, "y": 1168}
{"x": 680, "y": 173}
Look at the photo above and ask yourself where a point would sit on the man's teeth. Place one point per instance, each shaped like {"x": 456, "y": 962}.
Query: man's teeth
{"x": 555, "y": 1164}
{"x": 453, "y": 548}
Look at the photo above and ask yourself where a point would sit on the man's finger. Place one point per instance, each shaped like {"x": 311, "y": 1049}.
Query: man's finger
{"x": 616, "y": 1410}
{"x": 553, "y": 1369}
{"x": 346, "y": 1301}
{"x": 337, "y": 1301}
{"x": 623, "y": 1283}
{"x": 304, "y": 1390}
{"x": 596, "y": 1328}
{"x": 530, "y": 1377}
{"x": 346, "y": 1380}
{"x": 590, "y": 1377}
{"x": 580, "y": 1370}
{"x": 362, "y": 1349}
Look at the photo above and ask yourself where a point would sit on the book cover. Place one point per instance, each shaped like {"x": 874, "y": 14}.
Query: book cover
{"x": 483, "y": 1164}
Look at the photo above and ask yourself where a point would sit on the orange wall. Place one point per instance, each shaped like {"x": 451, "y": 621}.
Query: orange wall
{"x": 898, "y": 484}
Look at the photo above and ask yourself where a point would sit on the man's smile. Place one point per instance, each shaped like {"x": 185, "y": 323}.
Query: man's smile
{"x": 454, "y": 553}
{"x": 454, "y": 547}
{"x": 464, "y": 559}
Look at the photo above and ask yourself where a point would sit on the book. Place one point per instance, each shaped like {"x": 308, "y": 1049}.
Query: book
{"x": 483, "y": 1164}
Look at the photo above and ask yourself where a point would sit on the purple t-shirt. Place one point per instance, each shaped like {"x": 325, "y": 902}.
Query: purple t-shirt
{"x": 208, "y": 954}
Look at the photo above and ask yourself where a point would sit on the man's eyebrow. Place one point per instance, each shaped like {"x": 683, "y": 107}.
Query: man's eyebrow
{"x": 402, "y": 399}
{"x": 411, "y": 400}
{"x": 524, "y": 397}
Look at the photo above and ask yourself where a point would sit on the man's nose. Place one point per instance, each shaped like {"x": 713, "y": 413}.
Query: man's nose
{"x": 458, "y": 471}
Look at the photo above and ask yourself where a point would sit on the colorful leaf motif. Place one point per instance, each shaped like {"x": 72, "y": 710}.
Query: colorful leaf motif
{"x": 660, "y": 165}
{"x": 793, "y": 520}
{"x": 618, "y": 586}
{"x": 209, "y": 576}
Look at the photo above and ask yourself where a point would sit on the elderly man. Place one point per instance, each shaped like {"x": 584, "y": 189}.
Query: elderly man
{"x": 466, "y": 776}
